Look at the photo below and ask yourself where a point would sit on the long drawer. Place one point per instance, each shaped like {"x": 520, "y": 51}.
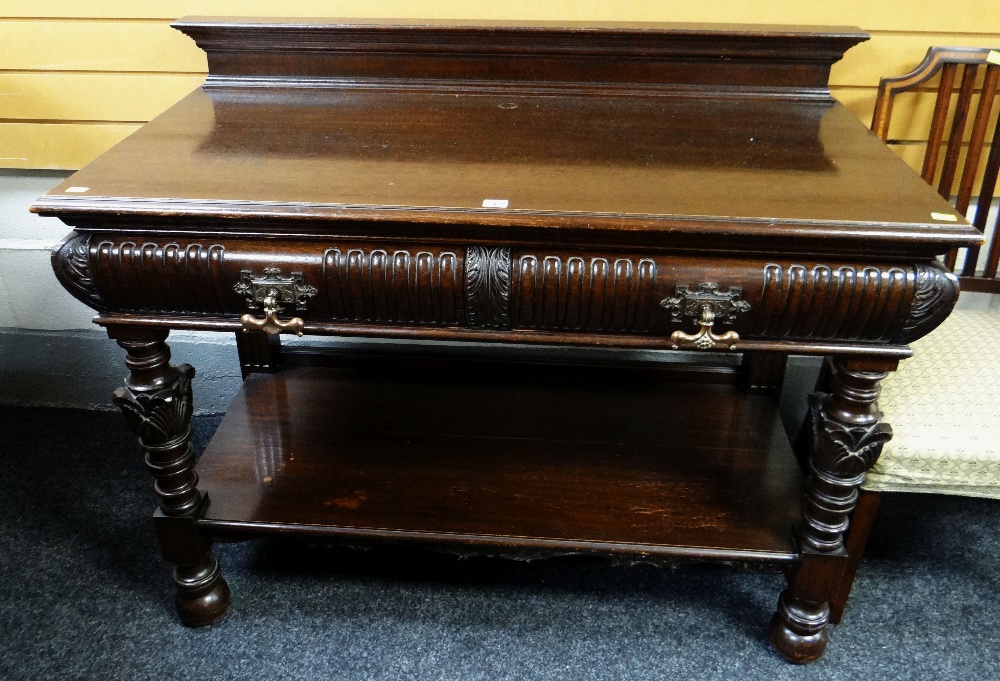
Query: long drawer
{"x": 506, "y": 287}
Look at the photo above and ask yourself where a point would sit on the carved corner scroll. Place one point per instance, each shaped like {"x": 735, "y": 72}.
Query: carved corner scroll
{"x": 936, "y": 295}
{"x": 487, "y": 287}
{"x": 71, "y": 263}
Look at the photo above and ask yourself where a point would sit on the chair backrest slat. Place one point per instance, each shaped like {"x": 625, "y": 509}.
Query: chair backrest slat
{"x": 977, "y": 139}
{"x": 945, "y": 62}
{"x": 957, "y": 134}
{"x": 986, "y": 194}
{"x": 937, "y": 123}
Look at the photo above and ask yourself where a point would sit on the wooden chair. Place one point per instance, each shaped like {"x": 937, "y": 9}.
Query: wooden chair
{"x": 943, "y": 400}
{"x": 980, "y": 71}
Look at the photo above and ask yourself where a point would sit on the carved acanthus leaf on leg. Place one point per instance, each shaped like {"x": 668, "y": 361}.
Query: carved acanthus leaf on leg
{"x": 157, "y": 405}
{"x": 160, "y": 416}
{"x": 847, "y": 439}
{"x": 846, "y": 451}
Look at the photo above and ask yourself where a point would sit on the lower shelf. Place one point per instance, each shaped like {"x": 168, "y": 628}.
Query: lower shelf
{"x": 506, "y": 459}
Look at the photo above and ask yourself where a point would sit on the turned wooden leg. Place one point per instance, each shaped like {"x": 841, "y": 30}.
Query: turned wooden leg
{"x": 846, "y": 438}
{"x": 156, "y": 402}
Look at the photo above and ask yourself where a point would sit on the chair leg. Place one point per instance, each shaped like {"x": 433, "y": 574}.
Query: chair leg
{"x": 857, "y": 538}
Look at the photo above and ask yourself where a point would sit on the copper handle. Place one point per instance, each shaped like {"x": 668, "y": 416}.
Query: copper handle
{"x": 270, "y": 323}
{"x": 705, "y": 339}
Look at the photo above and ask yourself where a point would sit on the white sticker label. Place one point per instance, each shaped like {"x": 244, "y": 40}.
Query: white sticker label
{"x": 77, "y": 190}
{"x": 993, "y": 57}
{"x": 944, "y": 217}
{"x": 495, "y": 203}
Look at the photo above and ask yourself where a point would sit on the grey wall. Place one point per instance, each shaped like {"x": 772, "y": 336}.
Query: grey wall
{"x": 50, "y": 352}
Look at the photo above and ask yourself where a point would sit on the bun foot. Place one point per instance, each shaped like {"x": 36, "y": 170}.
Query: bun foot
{"x": 798, "y": 629}
{"x": 202, "y": 593}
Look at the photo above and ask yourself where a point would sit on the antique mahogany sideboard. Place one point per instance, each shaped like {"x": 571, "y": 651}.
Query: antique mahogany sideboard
{"x": 687, "y": 188}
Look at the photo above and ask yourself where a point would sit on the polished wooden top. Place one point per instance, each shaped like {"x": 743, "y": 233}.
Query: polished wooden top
{"x": 689, "y": 155}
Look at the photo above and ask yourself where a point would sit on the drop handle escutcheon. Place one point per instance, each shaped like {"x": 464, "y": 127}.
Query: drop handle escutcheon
{"x": 272, "y": 291}
{"x": 705, "y": 338}
{"x": 706, "y": 305}
{"x": 270, "y": 323}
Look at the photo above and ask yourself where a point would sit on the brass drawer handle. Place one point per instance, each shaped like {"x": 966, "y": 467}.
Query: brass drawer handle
{"x": 272, "y": 290}
{"x": 705, "y": 338}
{"x": 708, "y": 304}
{"x": 270, "y": 323}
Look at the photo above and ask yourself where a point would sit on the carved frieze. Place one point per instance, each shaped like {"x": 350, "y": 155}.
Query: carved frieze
{"x": 583, "y": 293}
{"x": 497, "y": 287}
{"x": 844, "y": 303}
{"x": 146, "y": 276}
{"x": 487, "y": 287}
{"x": 393, "y": 285}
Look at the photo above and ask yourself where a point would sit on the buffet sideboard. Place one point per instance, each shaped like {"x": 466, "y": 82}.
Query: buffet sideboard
{"x": 688, "y": 192}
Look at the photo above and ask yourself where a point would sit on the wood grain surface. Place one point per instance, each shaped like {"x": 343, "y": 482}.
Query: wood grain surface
{"x": 525, "y": 455}
{"x": 653, "y": 156}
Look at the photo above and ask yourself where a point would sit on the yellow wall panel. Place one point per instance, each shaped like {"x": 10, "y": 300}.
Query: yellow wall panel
{"x": 97, "y": 46}
{"x": 117, "y": 97}
{"x": 896, "y": 54}
{"x": 955, "y": 16}
{"x": 59, "y": 146}
{"x": 913, "y": 155}
{"x": 860, "y": 100}
{"x": 118, "y": 60}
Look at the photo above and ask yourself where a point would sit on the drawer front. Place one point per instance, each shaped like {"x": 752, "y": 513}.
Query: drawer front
{"x": 510, "y": 288}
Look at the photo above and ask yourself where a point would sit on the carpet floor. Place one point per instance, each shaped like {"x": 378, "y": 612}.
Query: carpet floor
{"x": 84, "y": 594}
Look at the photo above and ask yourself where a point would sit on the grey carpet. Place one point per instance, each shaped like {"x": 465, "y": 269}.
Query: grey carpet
{"x": 84, "y": 595}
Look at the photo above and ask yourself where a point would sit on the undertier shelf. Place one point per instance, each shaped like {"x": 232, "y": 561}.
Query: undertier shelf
{"x": 517, "y": 458}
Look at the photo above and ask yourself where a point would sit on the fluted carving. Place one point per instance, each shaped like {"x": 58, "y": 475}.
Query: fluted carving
{"x": 393, "y": 285}
{"x": 842, "y": 302}
{"x": 592, "y": 293}
{"x": 148, "y": 276}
